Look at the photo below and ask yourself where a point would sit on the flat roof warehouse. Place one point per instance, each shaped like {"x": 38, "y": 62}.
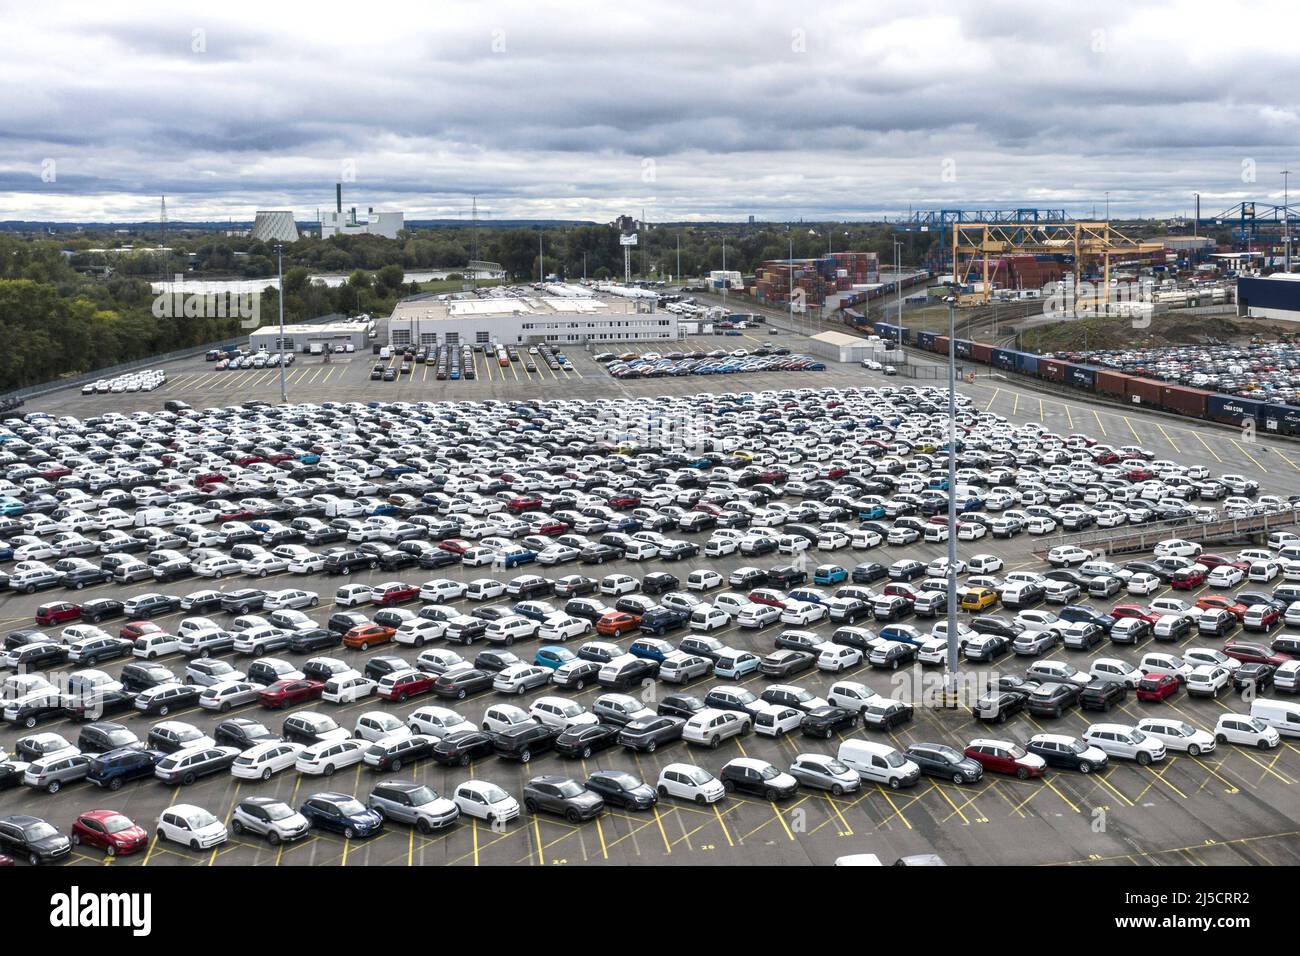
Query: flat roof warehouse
{"x": 526, "y": 320}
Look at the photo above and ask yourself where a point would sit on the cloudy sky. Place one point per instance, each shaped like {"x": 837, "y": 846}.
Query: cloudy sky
{"x": 690, "y": 110}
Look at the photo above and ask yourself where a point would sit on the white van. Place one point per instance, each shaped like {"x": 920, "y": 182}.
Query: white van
{"x": 385, "y": 352}
{"x": 1283, "y": 715}
{"x": 878, "y": 763}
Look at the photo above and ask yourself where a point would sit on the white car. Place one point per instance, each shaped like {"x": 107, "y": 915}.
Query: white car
{"x": 1207, "y": 680}
{"x": 561, "y": 713}
{"x": 191, "y": 826}
{"x": 710, "y": 727}
{"x": 265, "y": 760}
{"x": 484, "y": 589}
{"x": 1117, "y": 671}
{"x": 418, "y": 631}
{"x": 348, "y": 687}
{"x": 1178, "y": 735}
{"x": 1225, "y": 576}
{"x": 1143, "y": 583}
{"x": 485, "y": 801}
{"x": 520, "y": 678}
{"x": 1127, "y": 743}
{"x": 295, "y": 598}
{"x": 1196, "y": 656}
{"x": 437, "y": 721}
{"x": 1176, "y": 548}
{"x": 686, "y": 781}
{"x": 1066, "y": 555}
{"x": 985, "y": 564}
{"x": 776, "y": 720}
{"x": 1246, "y": 731}
{"x": 561, "y": 627}
{"x": 499, "y": 717}
{"x": 799, "y": 613}
{"x": 704, "y": 580}
{"x": 324, "y": 759}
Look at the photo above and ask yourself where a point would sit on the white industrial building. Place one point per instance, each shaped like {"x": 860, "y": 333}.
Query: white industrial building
{"x": 300, "y": 338}
{"x": 345, "y": 222}
{"x": 526, "y": 320}
{"x": 842, "y": 347}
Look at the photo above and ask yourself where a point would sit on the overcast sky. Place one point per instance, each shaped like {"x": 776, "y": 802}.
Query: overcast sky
{"x": 690, "y": 110}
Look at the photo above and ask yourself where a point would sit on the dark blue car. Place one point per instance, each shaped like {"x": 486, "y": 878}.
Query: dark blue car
{"x": 341, "y": 813}
{"x": 113, "y": 768}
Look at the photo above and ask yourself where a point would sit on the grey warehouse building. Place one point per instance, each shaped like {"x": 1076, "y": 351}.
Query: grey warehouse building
{"x": 300, "y": 338}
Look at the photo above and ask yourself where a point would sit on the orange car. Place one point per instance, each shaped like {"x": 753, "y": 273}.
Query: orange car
{"x": 1214, "y": 601}
{"x": 617, "y": 623}
{"x": 365, "y": 636}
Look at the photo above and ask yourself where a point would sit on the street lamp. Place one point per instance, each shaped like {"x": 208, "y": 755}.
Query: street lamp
{"x": 898, "y": 282}
{"x": 279, "y": 269}
{"x": 950, "y": 675}
{"x": 1286, "y": 216}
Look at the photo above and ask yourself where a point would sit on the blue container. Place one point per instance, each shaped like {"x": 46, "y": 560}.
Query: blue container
{"x": 1232, "y": 410}
{"x": 1026, "y": 363}
{"x": 1081, "y": 376}
{"x": 965, "y": 349}
{"x": 1003, "y": 358}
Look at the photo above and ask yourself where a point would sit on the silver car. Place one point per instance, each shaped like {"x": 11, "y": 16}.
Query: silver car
{"x": 51, "y": 773}
{"x": 1032, "y": 643}
{"x": 405, "y": 801}
{"x": 270, "y": 818}
{"x": 222, "y": 697}
{"x": 823, "y": 772}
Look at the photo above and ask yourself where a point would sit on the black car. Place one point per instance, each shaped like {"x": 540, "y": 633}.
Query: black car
{"x": 1258, "y": 677}
{"x": 680, "y": 705}
{"x": 173, "y": 699}
{"x": 1150, "y": 567}
{"x": 633, "y": 674}
{"x": 679, "y": 551}
{"x": 243, "y": 732}
{"x": 761, "y": 780}
{"x": 1099, "y": 695}
{"x": 648, "y": 733}
{"x": 576, "y": 674}
{"x": 154, "y": 605}
{"x": 437, "y": 558}
{"x": 995, "y": 625}
{"x": 243, "y": 601}
{"x": 996, "y": 706}
{"x": 343, "y": 621}
{"x": 11, "y": 774}
{"x": 458, "y": 685}
{"x": 1068, "y": 753}
{"x": 868, "y": 572}
{"x": 942, "y": 761}
{"x": 599, "y": 553}
{"x": 105, "y": 735}
{"x": 317, "y": 639}
{"x": 210, "y": 601}
{"x": 661, "y": 620}
{"x": 794, "y": 641}
{"x": 33, "y": 839}
{"x": 381, "y": 665}
{"x": 586, "y": 739}
{"x": 825, "y": 722}
{"x": 82, "y": 577}
{"x": 1052, "y": 699}
{"x": 462, "y": 747}
{"x": 33, "y": 709}
{"x": 141, "y": 675}
{"x": 522, "y": 741}
{"x": 563, "y": 796}
{"x": 346, "y": 562}
{"x": 39, "y": 656}
{"x": 94, "y": 704}
{"x": 495, "y": 661}
{"x": 747, "y": 578}
{"x": 620, "y": 789}
{"x": 660, "y": 582}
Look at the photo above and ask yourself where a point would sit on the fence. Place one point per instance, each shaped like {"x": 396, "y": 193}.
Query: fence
{"x": 1145, "y": 538}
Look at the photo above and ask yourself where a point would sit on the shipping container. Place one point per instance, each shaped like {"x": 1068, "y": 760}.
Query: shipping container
{"x": 1111, "y": 383}
{"x": 941, "y": 345}
{"x": 1051, "y": 370}
{"x": 1184, "y": 400}
{"x": 1027, "y": 363}
{"x": 1081, "y": 376}
{"x": 1003, "y": 358}
{"x": 925, "y": 340}
{"x": 1144, "y": 391}
{"x": 1283, "y": 419}
{"x": 965, "y": 349}
{"x": 1232, "y": 410}
{"x": 981, "y": 352}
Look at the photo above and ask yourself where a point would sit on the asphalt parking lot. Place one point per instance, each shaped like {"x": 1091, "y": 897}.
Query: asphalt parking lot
{"x": 1235, "y": 806}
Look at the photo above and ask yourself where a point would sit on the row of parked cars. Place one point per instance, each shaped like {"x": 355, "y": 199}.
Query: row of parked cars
{"x": 144, "y": 380}
{"x": 655, "y": 366}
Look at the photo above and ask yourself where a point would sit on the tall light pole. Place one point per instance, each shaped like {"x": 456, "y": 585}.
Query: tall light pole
{"x": 1286, "y": 216}
{"x": 1108, "y": 205}
{"x": 950, "y": 675}
{"x": 679, "y": 258}
{"x": 725, "y": 283}
{"x": 789, "y": 276}
{"x": 279, "y": 270}
{"x": 898, "y": 282}
{"x": 1196, "y": 218}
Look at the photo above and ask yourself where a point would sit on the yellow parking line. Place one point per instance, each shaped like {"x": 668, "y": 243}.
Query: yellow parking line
{"x": 1247, "y": 454}
{"x": 537, "y": 832}
{"x": 1287, "y": 460}
{"x": 721, "y": 823}
{"x": 668, "y": 847}
{"x": 1100, "y": 426}
{"x": 955, "y": 809}
{"x": 1068, "y": 417}
{"x": 1042, "y": 415}
{"x": 996, "y": 392}
{"x": 1136, "y": 437}
{"x": 897, "y": 812}
{"x": 1067, "y": 800}
{"x": 1172, "y": 444}
{"x": 1207, "y": 447}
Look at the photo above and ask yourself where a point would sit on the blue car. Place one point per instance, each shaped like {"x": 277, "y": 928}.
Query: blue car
{"x": 11, "y": 507}
{"x": 553, "y": 656}
{"x": 116, "y": 767}
{"x": 341, "y": 813}
{"x": 830, "y": 574}
{"x": 512, "y": 559}
{"x": 651, "y": 649}
{"x": 905, "y": 633}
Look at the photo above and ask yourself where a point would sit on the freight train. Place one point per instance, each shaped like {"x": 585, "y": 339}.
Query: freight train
{"x": 1133, "y": 389}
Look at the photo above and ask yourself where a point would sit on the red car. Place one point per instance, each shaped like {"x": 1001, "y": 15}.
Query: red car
{"x": 56, "y": 612}
{"x": 456, "y": 545}
{"x": 1139, "y": 474}
{"x": 55, "y": 472}
{"x": 285, "y": 692}
{"x": 624, "y": 500}
{"x": 899, "y": 590}
{"x": 247, "y": 460}
{"x": 1188, "y": 579}
{"x": 1214, "y": 601}
{"x": 1155, "y": 687}
{"x": 1269, "y": 618}
{"x": 386, "y": 595}
{"x": 109, "y": 831}
{"x": 410, "y": 684}
{"x": 133, "y": 629}
{"x": 552, "y": 528}
{"x": 1213, "y": 561}
{"x": 1133, "y": 610}
{"x": 767, "y": 596}
{"x": 1106, "y": 458}
{"x": 1002, "y": 756}
{"x": 1255, "y": 654}
{"x": 523, "y": 503}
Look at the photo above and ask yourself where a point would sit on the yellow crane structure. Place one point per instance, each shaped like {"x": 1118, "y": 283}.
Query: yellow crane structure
{"x": 975, "y": 243}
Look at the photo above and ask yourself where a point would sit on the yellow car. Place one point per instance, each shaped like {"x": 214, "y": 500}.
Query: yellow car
{"x": 978, "y": 599}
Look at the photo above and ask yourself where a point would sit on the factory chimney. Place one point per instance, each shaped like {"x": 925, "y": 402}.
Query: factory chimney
{"x": 338, "y": 198}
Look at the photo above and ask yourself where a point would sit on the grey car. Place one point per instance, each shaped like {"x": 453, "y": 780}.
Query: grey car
{"x": 222, "y": 697}
{"x": 52, "y": 773}
{"x": 823, "y": 772}
{"x": 405, "y": 801}
{"x": 270, "y": 818}
{"x": 1033, "y": 643}
{"x": 563, "y": 796}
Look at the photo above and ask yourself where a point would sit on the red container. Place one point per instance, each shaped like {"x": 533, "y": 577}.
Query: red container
{"x": 941, "y": 345}
{"x": 1051, "y": 370}
{"x": 1146, "y": 390}
{"x": 1184, "y": 400}
{"x": 1112, "y": 383}
{"x": 982, "y": 353}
